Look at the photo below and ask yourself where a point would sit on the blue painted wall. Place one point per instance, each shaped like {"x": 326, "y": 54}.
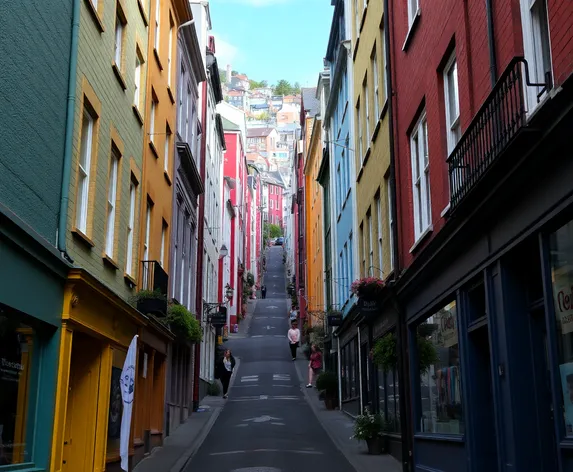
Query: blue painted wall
{"x": 35, "y": 45}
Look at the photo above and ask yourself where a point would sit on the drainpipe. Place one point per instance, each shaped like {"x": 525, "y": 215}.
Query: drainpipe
{"x": 407, "y": 445}
{"x": 69, "y": 133}
{"x": 491, "y": 42}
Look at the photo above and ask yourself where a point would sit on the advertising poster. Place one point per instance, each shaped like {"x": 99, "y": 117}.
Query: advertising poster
{"x": 115, "y": 405}
{"x": 567, "y": 387}
{"x": 563, "y": 299}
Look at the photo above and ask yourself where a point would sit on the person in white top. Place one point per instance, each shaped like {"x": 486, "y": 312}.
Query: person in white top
{"x": 293, "y": 339}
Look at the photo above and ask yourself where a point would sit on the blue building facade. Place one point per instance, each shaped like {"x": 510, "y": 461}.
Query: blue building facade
{"x": 35, "y": 128}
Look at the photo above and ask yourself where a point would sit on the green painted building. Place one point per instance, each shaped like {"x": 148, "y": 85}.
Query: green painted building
{"x": 36, "y": 45}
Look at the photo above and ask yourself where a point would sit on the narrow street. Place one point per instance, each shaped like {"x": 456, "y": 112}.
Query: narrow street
{"x": 266, "y": 424}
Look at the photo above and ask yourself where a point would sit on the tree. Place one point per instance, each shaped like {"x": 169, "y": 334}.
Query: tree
{"x": 264, "y": 116}
{"x": 223, "y": 76}
{"x": 274, "y": 231}
{"x": 283, "y": 87}
{"x": 296, "y": 88}
{"x": 257, "y": 84}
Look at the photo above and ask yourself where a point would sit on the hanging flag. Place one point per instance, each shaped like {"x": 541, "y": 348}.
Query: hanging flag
{"x": 127, "y": 381}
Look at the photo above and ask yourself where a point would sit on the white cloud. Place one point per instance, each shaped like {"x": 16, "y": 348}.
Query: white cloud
{"x": 226, "y": 52}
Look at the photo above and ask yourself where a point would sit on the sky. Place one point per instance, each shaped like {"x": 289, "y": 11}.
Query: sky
{"x": 272, "y": 39}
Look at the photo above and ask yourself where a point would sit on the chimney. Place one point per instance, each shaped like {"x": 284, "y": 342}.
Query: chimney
{"x": 228, "y": 73}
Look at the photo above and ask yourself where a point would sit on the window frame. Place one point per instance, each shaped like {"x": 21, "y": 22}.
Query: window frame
{"x": 453, "y": 127}
{"x": 112, "y": 203}
{"x": 412, "y": 13}
{"x": 366, "y": 96}
{"x": 420, "y": 163}
{"x": 131, "y": 226}
{"x": 157, "y": 27}
{"x": 119, "y": 43}
{"x": 375, "y": 74}
{"x": 84, "y": 182}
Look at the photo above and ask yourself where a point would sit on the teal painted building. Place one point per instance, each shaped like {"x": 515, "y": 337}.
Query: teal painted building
{"x": 36, "y": 44}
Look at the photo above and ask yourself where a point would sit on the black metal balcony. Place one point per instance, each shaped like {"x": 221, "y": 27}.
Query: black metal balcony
{"x": 154, "y": 279}
{"x": 495, "y": 127}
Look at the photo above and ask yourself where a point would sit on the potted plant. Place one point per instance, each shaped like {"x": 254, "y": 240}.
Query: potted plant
{"x": 368, "y": 427}
{"x": 183, "y": 324}
{"x": 367, "y": 288}
{"x": 151, "y": 301}
{"x": 327, "y": 383}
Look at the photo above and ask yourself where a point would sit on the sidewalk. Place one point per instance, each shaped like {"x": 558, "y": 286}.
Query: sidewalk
{"x": 180, "y": 447}
{"x": 339, "y": 426}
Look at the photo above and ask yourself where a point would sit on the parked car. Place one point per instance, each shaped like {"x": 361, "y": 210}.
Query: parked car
{"x": 280, "y": 241}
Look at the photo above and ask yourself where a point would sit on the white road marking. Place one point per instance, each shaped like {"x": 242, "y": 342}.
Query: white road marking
{"x": 261, "y": 419}
{"x": 279, "y": 336}
{"x": 264, "y": 450}
{"x": 250, "y": 378}
{"x": 272, "y": 306}
{"x": 281, "y": 377}
{"x": 257, "y": 336}
{"x": 263, "y": 397}
{"x": 278, "y": 424}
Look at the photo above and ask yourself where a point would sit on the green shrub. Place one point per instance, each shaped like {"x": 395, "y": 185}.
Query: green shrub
{"x": 183, "y": 324}
{"x": 327, "y": 381}
{"x": 213, "y": 389}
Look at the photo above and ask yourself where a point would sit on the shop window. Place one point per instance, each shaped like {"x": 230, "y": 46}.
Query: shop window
{"x": 389, "y": 396}
{"x": 16, "y": 346}
{"x": 439, "y": 393}
{"x": 561, "y": 247}
{"x": 115, "y": 404}
{"x": 476, "y": 302}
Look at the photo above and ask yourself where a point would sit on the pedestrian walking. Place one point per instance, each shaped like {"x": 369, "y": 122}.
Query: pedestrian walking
{"x": 315, "y": 364}
{"x": 264, "y": 291}
{"x": 293, "y": 316}
{"x": 225, "y": 370}
{"x": 293, "y": 339}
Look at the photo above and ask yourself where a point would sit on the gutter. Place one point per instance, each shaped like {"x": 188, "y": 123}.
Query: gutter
{"x": 69, "y": 134}
{"x": 491, "y": 42}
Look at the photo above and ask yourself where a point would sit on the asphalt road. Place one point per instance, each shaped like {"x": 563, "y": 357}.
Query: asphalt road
{"x": 266, "y": 424}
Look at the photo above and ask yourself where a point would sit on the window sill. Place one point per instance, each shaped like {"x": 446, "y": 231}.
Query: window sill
{"x": 344, "y": 114}
{"x": 446, "y": 211}
{"x": 82, "y": 236}
{"x": 110, "y": 262}
{"x": 143, "y": 14}
{"x": 440, "y": 437}
{"x": 376, "y": 130}
{"x": 119, "y": 76}
{"x": 156, "y": 54}
{"x": 412, "y": 29}
{"x": 364, "y": 162}
{"x": 153, "y": 149}
{"x": 137, "y": 114}
{"x": 421, "y": 238}
{"x": 167, "y": 178}
{"x": 170, "y": 93}
{"x": 95, "y": 15}
{"x": 363, "y": 19}
{"x": 129, "y": 280}
{"x": 355, "y": 51}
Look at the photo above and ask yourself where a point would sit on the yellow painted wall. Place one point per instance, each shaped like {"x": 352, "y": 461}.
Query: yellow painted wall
{"x": 314, "y": 222}
{"x": 158, "y": 177}
{"x": 373, "y": 163}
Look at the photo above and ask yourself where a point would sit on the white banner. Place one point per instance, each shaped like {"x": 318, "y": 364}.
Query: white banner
{"x": 127, "y": 382}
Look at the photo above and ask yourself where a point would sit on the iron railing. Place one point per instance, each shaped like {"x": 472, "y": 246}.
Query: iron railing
{"x": 154, "y": 277}
{"x": 496, "y": 124}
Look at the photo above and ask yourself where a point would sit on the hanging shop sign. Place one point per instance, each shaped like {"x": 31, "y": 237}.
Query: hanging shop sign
{"x": 368, "y": 308}
{"x": 334, "y": 319}
{"x": 219, "y": 318}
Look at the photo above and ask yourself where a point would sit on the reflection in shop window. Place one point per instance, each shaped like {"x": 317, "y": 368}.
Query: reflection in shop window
{"x": 16, "y": 342}
{"x": 440, "y": 382}
{"x": 389, "y": 399}
{"x": 561, "y": 246}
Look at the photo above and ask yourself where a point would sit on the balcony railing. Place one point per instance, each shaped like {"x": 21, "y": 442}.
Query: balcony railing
{"x": 154, "y": 277}
{"x": 495, "y": 126}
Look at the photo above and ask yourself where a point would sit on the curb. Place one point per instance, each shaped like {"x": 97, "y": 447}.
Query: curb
{"x": 339, "y": 444}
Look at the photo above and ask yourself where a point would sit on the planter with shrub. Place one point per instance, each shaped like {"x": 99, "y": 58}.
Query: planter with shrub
{"x": 183, "y": 324}
{"x": 151, "y": 301}
{"x": 369, "y": 427}
{"x": 327, "y": 384}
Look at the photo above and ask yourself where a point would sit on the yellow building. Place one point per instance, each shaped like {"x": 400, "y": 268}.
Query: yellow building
{"x": 105, "y": 197}
{"x": 372, "y": 148}
{"x": 313, "y": 207}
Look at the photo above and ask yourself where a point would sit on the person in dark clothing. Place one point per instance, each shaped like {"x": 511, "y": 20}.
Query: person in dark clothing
{"x": 225, "y": 368}
{"x": 264, "y": 291}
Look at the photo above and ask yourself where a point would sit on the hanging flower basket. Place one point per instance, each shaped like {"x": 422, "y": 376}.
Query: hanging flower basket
{"x": 368, "y": 288}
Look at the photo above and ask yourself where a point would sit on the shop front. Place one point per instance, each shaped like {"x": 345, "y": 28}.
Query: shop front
{"x": 489, "y": 322}
{"x": 348, "y": 344}
{"x": 31, "y": 293}
{"x": 98, "y": 327}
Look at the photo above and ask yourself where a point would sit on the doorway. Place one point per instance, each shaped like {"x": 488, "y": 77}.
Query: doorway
{"x": 81, "y": 408}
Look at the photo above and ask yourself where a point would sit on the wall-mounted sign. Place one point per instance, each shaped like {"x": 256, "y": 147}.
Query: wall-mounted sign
{"x": 368, "y": 308}
{"x": 219, "y": 318}
{"x": 335, "y": 319}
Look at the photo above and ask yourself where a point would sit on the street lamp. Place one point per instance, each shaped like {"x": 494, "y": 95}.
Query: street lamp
{"x": 223, "y": 251}
{"x": 187, "y": 23}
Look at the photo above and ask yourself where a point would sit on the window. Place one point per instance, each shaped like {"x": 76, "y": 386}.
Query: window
{"x": 16, "y": 354}
{"x": 359, "y": 128}
{"x": 146, "y": 242}
{"x": 535, "y": 26}
{"x": 370, "y": 244}
{"x": 86, "y": 149}
{"x": 389, "y": 205}
{"x": 374, "y": 65}
{"x": 163, "y": 243}
{"x": 366, "y": 99}
{"x": 119, "y": 34}
{"x": 357, "y": 17}
{"x": 420, "y": 177}
{"x": 137, "y": 78}
{"x": 152, "y": 117}
{"x": 379, "y": 228}
{"x": 362, "y": 235}
{"x": 440, "y": 392}
{"x": 413, "y": 7}
{"x": 130, "y": 227}
{"x": 181, "y": 100}
{"x": 157, "y": 20}
{"x": 451, "y": 96}
{"x": 170, "y": 51}
{"x": 561, "y": 253}
{"x": 111, "y": 201}
{"x": 167, "y": 147}
{"x": 390, "y": 398}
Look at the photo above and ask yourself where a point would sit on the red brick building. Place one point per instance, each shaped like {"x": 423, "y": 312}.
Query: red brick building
{"x": 482, "y": 113}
